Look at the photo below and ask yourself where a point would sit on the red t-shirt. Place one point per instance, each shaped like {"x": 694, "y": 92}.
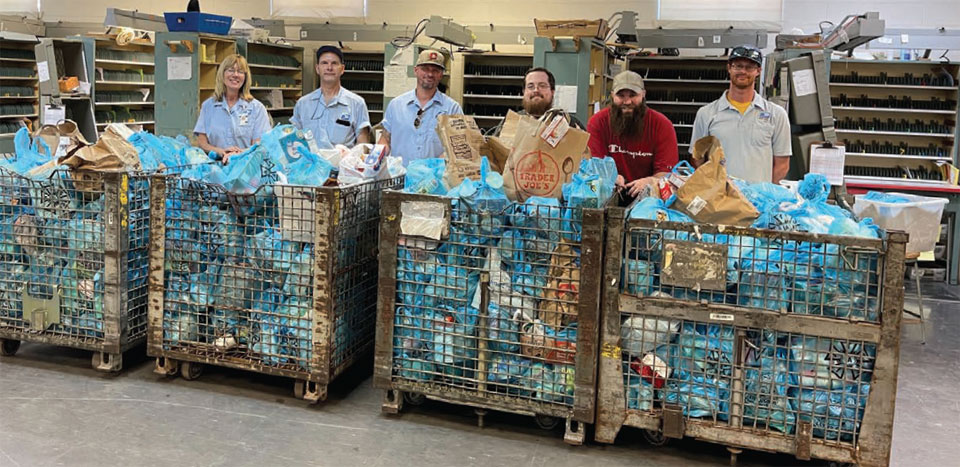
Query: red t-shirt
{"x": 653, "y": 152}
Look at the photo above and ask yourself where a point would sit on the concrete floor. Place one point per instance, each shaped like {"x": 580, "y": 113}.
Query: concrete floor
{"x": 54, "y": 410}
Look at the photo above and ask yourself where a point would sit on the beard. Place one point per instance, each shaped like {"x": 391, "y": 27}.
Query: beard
{"x": 627, "y": 125}
{"x": 536, "y": 107}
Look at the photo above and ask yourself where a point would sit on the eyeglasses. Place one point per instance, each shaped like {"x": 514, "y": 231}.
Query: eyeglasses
{"x": 416, "y": 121}
{"x": 743, "y": 66}
{"x": 234, "y": 71}
{"x": 535, "y": 86}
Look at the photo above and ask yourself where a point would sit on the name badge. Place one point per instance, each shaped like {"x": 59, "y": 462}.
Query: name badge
{"x": 765, "y": 116}
{"x": 244, "y": 118}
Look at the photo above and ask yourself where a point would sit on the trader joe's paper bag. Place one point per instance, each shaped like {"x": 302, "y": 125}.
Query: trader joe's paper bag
{"x": 545, "y": 156}
{"x": 462, "y": 141}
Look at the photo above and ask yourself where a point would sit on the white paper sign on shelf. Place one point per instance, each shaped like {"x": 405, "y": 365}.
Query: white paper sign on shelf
{"x": 53, "y": 114}
{"x": 396, "y": 81}
{"x": 43, "y": 71}
{"x": 179, "y": 68}
{"x": 804, "y": 83}
{"x": 828, "y": 161}
{"x": 565, "y": 97}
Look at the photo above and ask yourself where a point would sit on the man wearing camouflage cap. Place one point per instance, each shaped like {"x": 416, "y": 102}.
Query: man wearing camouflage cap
{"x": 641, "y": 140}
{"x": 410, "y": 121}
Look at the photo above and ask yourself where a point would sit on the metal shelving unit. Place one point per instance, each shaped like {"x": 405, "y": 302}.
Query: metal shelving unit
{"x": 492, "y": 85}
{"x": 897, "y": 119}
{"x": 585, "y": 63}
{"x": 671, "y": 81}
{"x": 124, "y": 85}
{"x": 177, "y": 112}
{"x": 363, "y": 75}
{"x": 275, "y": 67}
{"x": 63, "y": 58}
{"x": 19, "y": 100}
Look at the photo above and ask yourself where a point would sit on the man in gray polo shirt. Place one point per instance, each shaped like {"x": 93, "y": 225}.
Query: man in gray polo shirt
{"x": 754, "y": 132}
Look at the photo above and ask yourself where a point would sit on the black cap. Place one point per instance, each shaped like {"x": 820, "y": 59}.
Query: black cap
{"x": 332, "y": 49}
{"x": 745, "y": 51}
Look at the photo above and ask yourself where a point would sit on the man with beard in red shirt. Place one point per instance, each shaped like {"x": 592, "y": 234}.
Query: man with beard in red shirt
{"x": 641, "y": 140}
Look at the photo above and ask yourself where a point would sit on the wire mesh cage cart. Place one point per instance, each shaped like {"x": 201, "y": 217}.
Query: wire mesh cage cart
{"x": 282, "y": 281}
{"x": 492, "y": 309}
{"x": 73, "y": 262}
{"x": 757, "y": 339}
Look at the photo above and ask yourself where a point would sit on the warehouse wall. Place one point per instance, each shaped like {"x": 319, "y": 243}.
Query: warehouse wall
{"x": 804, "y": 14}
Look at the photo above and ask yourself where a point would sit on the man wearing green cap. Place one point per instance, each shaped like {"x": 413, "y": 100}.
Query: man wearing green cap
{"x": 641, "y": 140}
{"x": 410, "y": 121}
{"x": 754, "y": 132}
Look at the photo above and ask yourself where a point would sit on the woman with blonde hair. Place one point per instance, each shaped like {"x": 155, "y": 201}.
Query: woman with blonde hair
{"x": 231, "y": 120}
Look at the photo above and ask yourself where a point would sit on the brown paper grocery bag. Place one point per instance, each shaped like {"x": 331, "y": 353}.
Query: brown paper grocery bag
{"x": 544, "y": 157}
{"x": 462, "y": 141}
{"x": 559, "y": 304}
{"x": 708, "y": 196}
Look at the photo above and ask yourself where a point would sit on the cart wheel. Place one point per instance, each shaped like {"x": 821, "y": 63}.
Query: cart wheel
{"x": 546, "y": 422}
{"x": 191, "y": 370}
{"x": 414, "y": 398}
{"x": 655, "y": 437}
{"x": 9, "y": 347}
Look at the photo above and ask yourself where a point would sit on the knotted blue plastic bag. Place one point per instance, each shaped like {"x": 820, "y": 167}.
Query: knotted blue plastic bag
{"x": 249, "y": 170}
{"x": 30, "y": 154}
{"x": 309, "y": 170}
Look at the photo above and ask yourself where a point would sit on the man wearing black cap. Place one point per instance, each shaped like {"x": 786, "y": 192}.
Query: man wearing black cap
{"x": 333, "y": 114}
{"x": 754, "y": 132}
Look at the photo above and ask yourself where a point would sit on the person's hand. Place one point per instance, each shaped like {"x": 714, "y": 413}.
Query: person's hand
{"x": 635, "y": 187}
{"x": 228, "y": 152}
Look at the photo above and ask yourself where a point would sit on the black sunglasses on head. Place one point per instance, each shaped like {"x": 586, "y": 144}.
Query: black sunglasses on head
{"x": 416, "y": 121}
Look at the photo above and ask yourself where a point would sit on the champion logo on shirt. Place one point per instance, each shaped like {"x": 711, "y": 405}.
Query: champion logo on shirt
{"x": 615, "y": 148}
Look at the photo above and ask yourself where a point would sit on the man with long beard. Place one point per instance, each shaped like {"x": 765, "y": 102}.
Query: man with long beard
{"x": 538, "y": 87}
{"x": 754, "y": 132}
{"x": 641, "y": 140}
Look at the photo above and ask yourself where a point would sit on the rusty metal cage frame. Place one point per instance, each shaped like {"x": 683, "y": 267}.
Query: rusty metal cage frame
{"x": 870, "y": 447}
{"x": 397, "y": 389}
{"x": 124, "y": 307}
{"x": 331, "y": 217}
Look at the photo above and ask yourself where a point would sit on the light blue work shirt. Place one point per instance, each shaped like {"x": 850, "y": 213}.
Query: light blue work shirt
{"x": 411, "y": 143}
{"x": 240, "y": 126}
{"x": 337, "y": 122}
{"x": 750, "y": 140}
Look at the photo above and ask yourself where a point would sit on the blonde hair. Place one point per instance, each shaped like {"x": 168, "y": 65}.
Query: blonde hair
{"x": 221, "y": 89}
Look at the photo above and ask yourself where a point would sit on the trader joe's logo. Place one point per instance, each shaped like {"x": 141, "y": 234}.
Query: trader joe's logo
{"x": 537, "y": 174}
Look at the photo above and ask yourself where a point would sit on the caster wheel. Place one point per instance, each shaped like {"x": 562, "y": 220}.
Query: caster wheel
{"x": 414, "y": 398}
{"x": 299, "y": 389}
{"x": 546, "y": 422}
{"x": 8, "y": 347}
{"x": 655, "y": 437}
{"x": 191, "y": 370}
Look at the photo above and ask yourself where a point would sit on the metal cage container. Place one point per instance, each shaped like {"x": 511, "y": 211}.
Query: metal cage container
{"x": 493, "y": 310}
{"x": 282, "y": 281}
{"x": 758, "y": 339}
{"x": 73, "y": 262}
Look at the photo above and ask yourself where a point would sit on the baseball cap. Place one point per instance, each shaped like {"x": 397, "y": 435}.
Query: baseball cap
{"x": 745, "y": 51}
{"x": 332, "y": 49}
{"x": 627, "y": 80}
{"x": 431, "y": 57}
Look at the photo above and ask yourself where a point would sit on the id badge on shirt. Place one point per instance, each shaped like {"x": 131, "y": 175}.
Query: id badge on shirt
{"x": 243, "y": 118}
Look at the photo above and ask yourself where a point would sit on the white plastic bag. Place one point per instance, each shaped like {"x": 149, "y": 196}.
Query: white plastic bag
{"x": 363, "y": 163}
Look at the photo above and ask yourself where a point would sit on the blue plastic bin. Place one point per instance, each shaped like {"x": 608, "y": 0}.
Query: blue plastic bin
{"x": 198, "y": 22}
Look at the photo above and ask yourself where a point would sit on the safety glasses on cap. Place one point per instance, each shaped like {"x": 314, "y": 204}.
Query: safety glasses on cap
{"x": 748, "y": 53}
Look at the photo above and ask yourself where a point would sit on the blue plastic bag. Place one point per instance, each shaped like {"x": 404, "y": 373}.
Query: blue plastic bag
{"x": 426, "y": 176}
{"x": 655, "y": 209}
{"x": 885, "y": 197}
{"x": 309, "y": 170}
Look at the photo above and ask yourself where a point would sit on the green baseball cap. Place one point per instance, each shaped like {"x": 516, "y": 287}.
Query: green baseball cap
{"x": 627, "y": 80}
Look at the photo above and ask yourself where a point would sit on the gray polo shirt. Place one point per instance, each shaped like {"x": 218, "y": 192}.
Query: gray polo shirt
{"x": 750, "y": 140}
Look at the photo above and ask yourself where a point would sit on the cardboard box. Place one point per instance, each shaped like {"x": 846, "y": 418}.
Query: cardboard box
{"x": 597, "y": 28}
